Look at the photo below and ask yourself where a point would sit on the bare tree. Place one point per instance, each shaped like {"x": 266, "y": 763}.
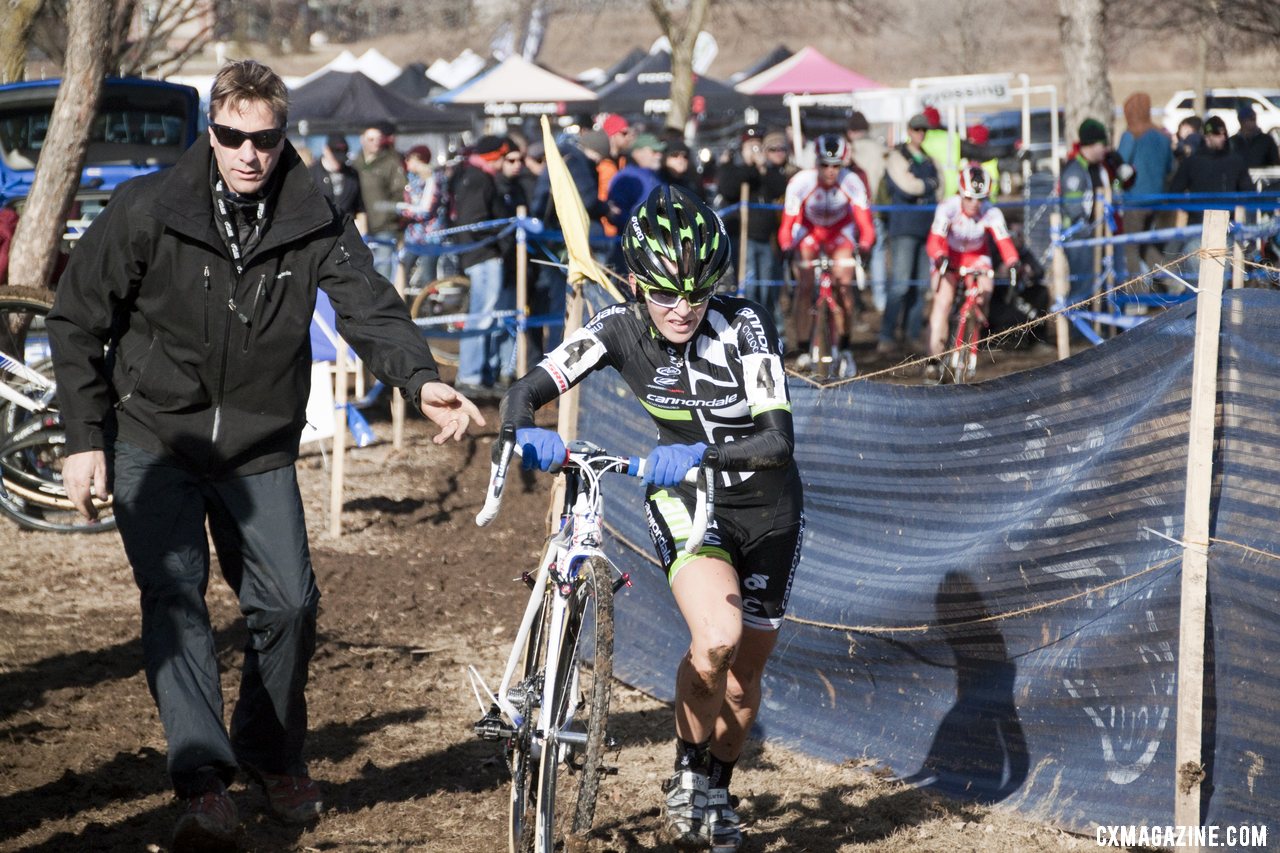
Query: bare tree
{"x": 681, "y": 31}
{"x": 17, "y": 17}
{"x": 35, "y": 244}
{"x": 142, "y": 38}
{"x": 1083, "y": 25}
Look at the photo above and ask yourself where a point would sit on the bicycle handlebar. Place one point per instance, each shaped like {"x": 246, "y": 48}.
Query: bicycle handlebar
{"x": 587, "y": 456}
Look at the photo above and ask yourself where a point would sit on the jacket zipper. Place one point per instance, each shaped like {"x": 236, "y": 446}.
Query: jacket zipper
{"x": 346, "y": 259}
{"x": 222, "y": 365}
{"x": 253, "y": 311}
{"x": 207, "y": 295}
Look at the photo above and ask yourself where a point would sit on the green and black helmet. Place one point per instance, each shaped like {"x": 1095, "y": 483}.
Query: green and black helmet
{"x": 675, "y": 243}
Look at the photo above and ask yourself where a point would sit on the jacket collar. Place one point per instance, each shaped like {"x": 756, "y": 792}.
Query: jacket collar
{"x": 185, "y": 200}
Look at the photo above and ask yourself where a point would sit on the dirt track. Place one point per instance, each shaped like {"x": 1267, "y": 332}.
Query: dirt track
{"x": 411, "y": 594}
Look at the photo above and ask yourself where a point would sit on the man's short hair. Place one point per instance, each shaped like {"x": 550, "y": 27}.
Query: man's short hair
{"x": 1214, "y": 125}
{"x": 243, "y": 81}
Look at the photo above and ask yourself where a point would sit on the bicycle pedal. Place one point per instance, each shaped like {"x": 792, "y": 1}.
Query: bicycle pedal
{"x": 491, "y": 727}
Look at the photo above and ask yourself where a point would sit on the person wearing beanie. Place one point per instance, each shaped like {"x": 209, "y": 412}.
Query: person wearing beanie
{"x": 1082, "y": 183}
{"x": 1146, "y": 148}
{"x": 1257, "y": 149}
{"x": 1213, "y": 168}
{"x": 636, "y": 180}
{"x": 476, "y": 199}
{"x": 423, "y": 210}
{"x": 678, "y": 170}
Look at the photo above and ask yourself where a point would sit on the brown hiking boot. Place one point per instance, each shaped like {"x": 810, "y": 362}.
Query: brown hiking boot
{"x": 208, "y": 825}
{"x": 293, "y": 799}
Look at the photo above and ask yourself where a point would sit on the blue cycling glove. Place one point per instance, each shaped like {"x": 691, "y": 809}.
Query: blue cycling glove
{"x": 668, "y": 463}
{"x": 540, "y": 448}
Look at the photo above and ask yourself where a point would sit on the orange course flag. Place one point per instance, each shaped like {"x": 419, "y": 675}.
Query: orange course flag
{"x": 573, "y": 219}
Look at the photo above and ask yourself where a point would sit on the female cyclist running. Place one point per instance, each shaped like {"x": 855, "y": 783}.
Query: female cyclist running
{"x": 728, "y": 409}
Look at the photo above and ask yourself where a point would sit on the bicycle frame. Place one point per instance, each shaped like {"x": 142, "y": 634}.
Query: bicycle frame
{"x": 970, "y": 324}
{"x": 542, "y": 672}
{"x": 825, "y": 349}
{"x": 42, "y": 402}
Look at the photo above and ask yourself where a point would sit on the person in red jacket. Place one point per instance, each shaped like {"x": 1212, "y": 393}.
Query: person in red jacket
{"x": 959, "y": 235}
{"x": 826, "y": 212}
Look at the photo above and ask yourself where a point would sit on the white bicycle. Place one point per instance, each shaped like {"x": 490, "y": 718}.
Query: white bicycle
{"x": 32, "y": 440}
{"x": 552, "y": 704}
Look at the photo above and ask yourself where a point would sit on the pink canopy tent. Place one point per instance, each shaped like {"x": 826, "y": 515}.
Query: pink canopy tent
{"x": 806, "y": 72}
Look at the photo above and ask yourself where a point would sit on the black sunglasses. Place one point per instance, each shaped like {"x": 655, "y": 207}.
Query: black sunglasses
{"x": 263, "y": 140}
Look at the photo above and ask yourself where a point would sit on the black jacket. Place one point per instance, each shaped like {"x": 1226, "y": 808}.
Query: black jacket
{"x": 476, "y": 199}
{"x": 1212, "y": 171}
{"x": 350, "y": 201}
{"x": 205, "y": 366}
{"x": 767, "y": 187}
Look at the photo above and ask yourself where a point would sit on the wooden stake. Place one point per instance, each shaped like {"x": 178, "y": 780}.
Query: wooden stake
{"x": 1237, "y": 254}
{"x": 339, "y": 439}
{"x": 1061, "y": 287}
{"x": 397, "y": 400}
{"x": 1195, "y": 555}
{"x": 522, "y": 294}
{"x": 567, "y": 418}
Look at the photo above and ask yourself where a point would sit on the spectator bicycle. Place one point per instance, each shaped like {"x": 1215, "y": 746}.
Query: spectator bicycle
{"x": 825, "y": 358}
{"x": 32, "y": 440}
{"x": 552, "y": 704}
{"x": 440, "y": 310}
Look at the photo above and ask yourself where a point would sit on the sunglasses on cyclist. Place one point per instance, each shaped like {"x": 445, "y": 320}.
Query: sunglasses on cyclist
{"x": 263, "y": 140}
{"x": 667, "y": 299}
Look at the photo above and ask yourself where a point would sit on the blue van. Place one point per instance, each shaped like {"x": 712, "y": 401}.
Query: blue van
{"x": 142, "y": 126}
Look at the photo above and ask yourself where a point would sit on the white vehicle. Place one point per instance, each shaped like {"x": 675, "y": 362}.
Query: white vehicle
{"x": 1224, "y": 103}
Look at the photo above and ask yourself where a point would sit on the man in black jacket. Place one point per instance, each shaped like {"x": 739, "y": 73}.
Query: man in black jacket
{"x": 182, "y": 354}
{"x": 339, "y": 180}
{"x": 1213, "y": 169}
{"x": 762, "y": 166}
{"x": 484, "y": 354}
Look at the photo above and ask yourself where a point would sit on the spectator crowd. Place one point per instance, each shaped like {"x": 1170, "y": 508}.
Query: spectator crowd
{"x": 614, "y": 164}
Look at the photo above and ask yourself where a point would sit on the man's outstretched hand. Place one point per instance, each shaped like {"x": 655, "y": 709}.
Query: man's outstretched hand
{"x": 449, "y": 410}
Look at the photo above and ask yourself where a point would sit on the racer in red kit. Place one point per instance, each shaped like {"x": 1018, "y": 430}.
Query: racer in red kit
{"x": 826, "y": 212}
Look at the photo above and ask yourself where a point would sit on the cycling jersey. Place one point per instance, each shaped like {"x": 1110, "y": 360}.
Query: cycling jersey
{"x": 724, "y": 387}
{"x": 826, "y": 216}
{"x": 962, "y": 239}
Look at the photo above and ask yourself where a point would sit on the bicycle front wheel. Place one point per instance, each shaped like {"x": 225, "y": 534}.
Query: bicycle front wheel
{"x": 578, "y": 705}
{"x": 441, "y": 298}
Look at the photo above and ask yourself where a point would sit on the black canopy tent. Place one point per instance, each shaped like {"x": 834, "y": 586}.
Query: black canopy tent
{"x": 646, "y": 89}
{"x": 415, "y": 83}
{"x": 342, "y": 101}
{"x": 769, "y": 60}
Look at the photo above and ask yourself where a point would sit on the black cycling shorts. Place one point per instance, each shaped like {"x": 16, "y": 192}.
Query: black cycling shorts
{"x": 763, "y": 545}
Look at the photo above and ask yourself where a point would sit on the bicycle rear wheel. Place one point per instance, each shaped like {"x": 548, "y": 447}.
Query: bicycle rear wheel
{"x": 579, "y": 709}
{"x": 441, "y": 298}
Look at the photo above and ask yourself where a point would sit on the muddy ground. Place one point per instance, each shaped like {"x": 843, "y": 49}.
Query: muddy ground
{"x": 412, "y": 593}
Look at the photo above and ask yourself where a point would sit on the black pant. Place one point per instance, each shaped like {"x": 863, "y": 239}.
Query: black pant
{"x": 258, "y": 530}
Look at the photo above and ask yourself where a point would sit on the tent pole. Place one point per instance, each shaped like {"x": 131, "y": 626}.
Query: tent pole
{"x": 1195, "y": 531}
